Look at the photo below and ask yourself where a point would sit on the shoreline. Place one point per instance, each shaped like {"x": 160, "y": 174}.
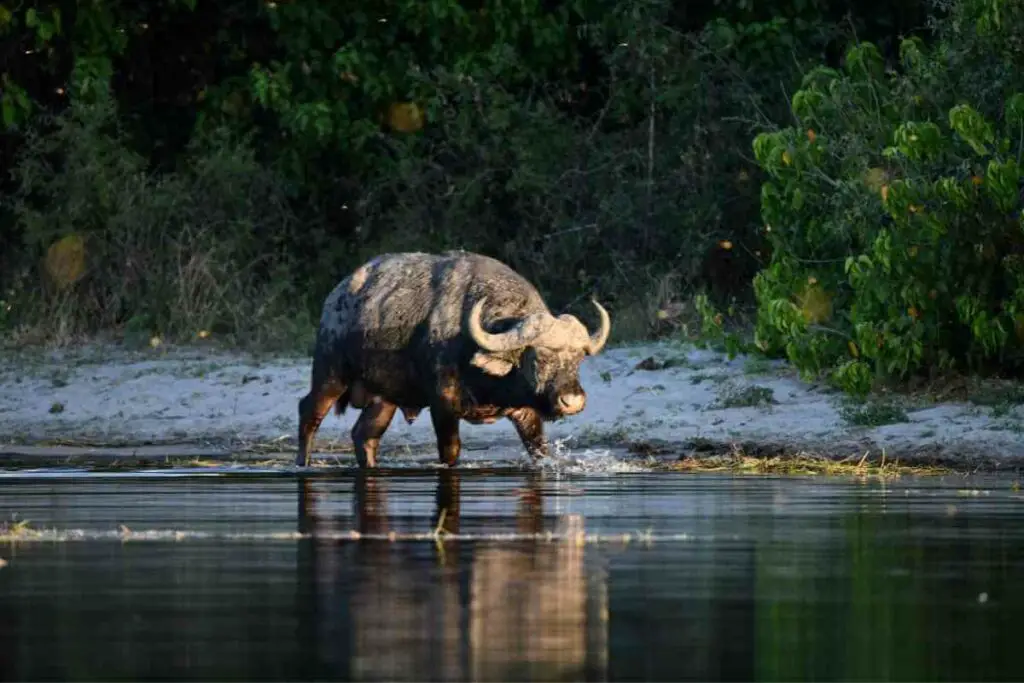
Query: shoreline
{"x": 662, "y": 401}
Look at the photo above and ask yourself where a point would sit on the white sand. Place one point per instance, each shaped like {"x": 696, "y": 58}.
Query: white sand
{"x": 193, "y": 396}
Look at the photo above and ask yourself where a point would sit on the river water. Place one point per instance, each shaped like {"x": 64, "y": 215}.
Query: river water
{"x": 427, "y": 574}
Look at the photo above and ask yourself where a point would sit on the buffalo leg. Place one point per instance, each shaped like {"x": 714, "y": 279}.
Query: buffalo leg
{"x": 371, "y": 425}
{"x": 313, "y": 408}
{"x": 446, "y": 428}
{"x": 530, "y": 428}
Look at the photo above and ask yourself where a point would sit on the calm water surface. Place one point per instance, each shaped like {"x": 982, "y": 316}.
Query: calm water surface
{"x": 740, "y": 578}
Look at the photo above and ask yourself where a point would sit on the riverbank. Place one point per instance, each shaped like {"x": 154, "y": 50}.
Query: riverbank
{"x": 656, "y": 401}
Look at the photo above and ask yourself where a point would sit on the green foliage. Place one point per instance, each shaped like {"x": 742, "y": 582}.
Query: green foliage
{"x": 714, "y": 332}
{"x": 575, "y": 204}
{"x": 873, "y": 413}
{"x": 894, "y": 210}
{"x": 600, "y": 147}
{"x": 752, "y": 396}
{"x": 15, "y": 106}
{"x": 187, "y": 252}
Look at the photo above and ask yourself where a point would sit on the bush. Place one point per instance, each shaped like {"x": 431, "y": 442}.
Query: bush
{"x": 599, "y": 148}
{"x": 110, "y": 244}
{"x": 644, "y": 201}
{"x": 894, "y": 209}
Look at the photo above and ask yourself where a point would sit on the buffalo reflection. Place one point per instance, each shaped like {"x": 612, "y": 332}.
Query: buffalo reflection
{"x": 369, "y": 502}
{"x": 456, "y": 609}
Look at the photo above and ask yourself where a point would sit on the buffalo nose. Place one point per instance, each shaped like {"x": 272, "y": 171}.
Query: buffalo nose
{"x": 571, "y": 403}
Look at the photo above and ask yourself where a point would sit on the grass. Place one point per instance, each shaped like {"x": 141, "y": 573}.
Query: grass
{"x": 805, "y": 464}
{"x": 700, "y": 377}
{"x": 759, "y": 365}
{"x": 1002, "y": 397}
{"x": 952, "y": 386}
{"x": 993, "y": 394}
{"x": 740, "y": 460}
{"x": 15, "y": 530}
{"x": 751, "y": 396}
{"x": 873, "y": 413}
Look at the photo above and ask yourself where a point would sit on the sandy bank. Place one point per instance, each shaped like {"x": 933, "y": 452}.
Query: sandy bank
{"x": 688, "y": 401}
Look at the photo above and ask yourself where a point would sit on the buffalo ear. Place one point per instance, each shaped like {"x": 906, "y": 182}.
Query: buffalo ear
{"x": 492, "y": 364}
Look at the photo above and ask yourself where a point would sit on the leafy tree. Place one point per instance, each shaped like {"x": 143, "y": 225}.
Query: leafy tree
{"x": 894, "y": 211}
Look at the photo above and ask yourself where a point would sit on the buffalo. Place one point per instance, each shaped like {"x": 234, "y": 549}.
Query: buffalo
{"x": 459, "y": 333}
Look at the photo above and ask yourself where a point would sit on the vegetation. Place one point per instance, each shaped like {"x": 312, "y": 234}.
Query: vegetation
{"x": 181, "y": 167}
{"x": 894, "y": 210}
{"x": 188, "y": 169}
{"x": 751, "y": 396}
{"x": 807, "y": 464}
{"x": 873, "y": 413}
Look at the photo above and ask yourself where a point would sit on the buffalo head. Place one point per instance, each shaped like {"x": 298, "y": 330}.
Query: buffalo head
{"x": 546, "y": 350}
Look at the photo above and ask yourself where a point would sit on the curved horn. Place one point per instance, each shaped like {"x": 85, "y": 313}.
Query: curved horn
{"x": 600, "y": 338}
{"x": 519, "y": 336}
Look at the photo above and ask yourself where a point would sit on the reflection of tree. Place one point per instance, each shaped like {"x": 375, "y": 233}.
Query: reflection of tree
{"x": 886, "y": 596}
{"x": 512, "y": 611}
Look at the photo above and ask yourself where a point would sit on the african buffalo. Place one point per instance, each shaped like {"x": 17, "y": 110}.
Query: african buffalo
{"x": 459, "y": 333}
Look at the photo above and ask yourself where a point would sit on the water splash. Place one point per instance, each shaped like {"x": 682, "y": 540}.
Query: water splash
{"x": 565, "y": 460}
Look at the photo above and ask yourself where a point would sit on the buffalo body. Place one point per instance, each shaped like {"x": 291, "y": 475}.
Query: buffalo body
{"x": 459, "y": 333}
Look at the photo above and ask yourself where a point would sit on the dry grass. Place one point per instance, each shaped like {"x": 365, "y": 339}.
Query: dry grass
{"x": 16, "y": 531}
{"x": 806, "y": 464}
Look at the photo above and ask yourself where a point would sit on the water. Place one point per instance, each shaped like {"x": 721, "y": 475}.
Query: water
{"x": 480, "y": 575}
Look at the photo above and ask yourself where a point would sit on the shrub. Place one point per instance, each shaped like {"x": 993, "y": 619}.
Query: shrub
{"x": 642, "y": 201}
{"x": 893, "y": 208}
{"x": 109, "y": 243}
{"x": 600, "y": 148}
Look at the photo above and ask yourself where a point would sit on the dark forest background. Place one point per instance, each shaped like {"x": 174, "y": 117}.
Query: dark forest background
{"x": 840, "y": 177}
